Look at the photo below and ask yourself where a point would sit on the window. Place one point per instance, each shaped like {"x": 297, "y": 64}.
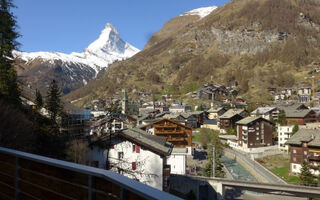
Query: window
{"x": 294, "y": 151}
{"x": 134, "y": 167}
{"x": 257, "y": 138}
{"x": 133, "y": 148}
{"x": 294, "y": 159}
{"x": 112, "y": 146}
{"x": 316, "y": 154}
{"x": 137, "y": 149}
{"x": 305, "y": 152}
{"x": 120, "y": 155}
{"x": 294, "y": 166}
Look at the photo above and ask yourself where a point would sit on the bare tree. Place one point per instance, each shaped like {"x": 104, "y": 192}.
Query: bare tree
{"x": 78, "y": 152}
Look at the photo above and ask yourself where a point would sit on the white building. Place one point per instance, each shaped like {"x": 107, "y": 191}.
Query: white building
{"x": 283, "y": 136}
{"x": 266, "y": 112}
{"x": 137, "y": 155}
{"x": 178, "y": 161}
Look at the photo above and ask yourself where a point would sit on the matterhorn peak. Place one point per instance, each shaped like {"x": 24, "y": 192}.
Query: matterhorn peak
{"x": 108, "y": 41}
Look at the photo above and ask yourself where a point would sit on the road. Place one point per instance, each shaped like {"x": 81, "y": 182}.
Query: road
{"x": 272, "y": 178}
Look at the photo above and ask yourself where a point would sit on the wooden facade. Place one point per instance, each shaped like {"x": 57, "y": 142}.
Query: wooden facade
{"x": 177, "y": 134}
{"x": 311, "y": 117}
{"x": 226, "y": 123}
{"x": 257, "y": 133}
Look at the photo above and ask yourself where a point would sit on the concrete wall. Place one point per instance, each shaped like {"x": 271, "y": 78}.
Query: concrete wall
{"x": 245, "y": 165}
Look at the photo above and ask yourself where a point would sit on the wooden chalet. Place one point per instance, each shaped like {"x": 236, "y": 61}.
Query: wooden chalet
{"x": 305, "y": 146}
{"x": 177, "y": 134}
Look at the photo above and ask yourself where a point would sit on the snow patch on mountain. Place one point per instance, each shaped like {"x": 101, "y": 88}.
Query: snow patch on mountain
{"x": 201, "y": 12}
{"x": 108, "y": 48}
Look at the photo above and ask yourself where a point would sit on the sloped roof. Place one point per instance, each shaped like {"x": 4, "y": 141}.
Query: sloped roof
{"x": 154, "y": 143}
{"x": 215, "y": 109}
{"x": 231, "y": 112}
{"x": 296, "y": 113}
{"x": 263, "y": 110}
{"x": 311, "y": 136}
{"x": 211, "y": 121}
{"x": 188, "y": 114}
{"x": 248, "y": 120}
{"x": 164, "y": 119}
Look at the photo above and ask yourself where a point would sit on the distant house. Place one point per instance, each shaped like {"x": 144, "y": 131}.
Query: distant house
{"x": 253, "y": 132}
{"x": 305, "y": 146}
{"x": 266, "y": 112}
{"x": 177, "y": 109}
{"x": 300, "y": 117}
{"x": 176, "y": 133}
{"x": 135, "y": 154}
{"x": 211, "y": 124}
{"x": 287, "y": 92}
{"x": 194, "y": 119}
{"x": 214, "y": 113}
{"x": 304, "y": 91}
{"x": 229, "y": 118}
{"x": 284, "y": 133}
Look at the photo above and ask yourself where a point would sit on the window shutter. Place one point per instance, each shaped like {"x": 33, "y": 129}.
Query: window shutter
{"x": 134, "y": 167}
{"x": 137, "y": 149}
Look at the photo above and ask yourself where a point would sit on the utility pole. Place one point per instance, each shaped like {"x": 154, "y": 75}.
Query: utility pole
{"x": 213, "y": 161}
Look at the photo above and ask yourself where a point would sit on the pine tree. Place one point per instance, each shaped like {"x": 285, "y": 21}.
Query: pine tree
{"x": 39, "y": 100}
{"x": 9, "y": 88}
{"x": 305, "y": 176}
{"x": 295, "y": 129}
{"x": 53, "y": 101}
{"x": 282, "y": 118}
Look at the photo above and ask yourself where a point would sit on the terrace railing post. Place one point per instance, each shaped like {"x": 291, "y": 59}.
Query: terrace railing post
{"x": 122, "y": 194}
{"x": 89, "y": 187}
{"x": 17, "y": 176}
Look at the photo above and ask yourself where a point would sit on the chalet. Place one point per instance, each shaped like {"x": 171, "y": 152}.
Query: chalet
{"x": 287, "y": 92}
{"x": 135, "y": 154}
{"x": 177, "y": 134}
{"x": 266, "y": 112}
{"x": 112, "y": 123}
{"x": 304, "y": 91}
{"x": 300, "y": 117}
{"x": 253, "y": 132}
{"x": 214, "y": 113}
{"x": 211, "y": 124}
{"x": 177, "y": 108}
{"x": 194, "y": 119}
{"x": 229, "y": 118}
{"x": 305, "y": 146}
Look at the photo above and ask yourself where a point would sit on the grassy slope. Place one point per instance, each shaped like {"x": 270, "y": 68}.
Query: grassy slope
{"x": 185, "y": 63}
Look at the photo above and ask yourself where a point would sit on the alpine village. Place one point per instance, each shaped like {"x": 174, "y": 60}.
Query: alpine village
{"x": 221, "y": 103}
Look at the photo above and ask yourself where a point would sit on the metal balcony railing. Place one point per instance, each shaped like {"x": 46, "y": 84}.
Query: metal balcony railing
{"x": 28, "y": 176}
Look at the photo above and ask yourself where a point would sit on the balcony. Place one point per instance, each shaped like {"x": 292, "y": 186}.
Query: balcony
{"x": 28, "y": 176}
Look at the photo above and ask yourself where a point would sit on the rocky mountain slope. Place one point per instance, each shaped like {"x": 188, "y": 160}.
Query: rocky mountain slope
{"x": 259, "y": 44}
{"x": 73, "y": 70}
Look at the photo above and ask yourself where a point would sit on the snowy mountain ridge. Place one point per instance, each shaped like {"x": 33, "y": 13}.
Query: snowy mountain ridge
{"x": 201, "y": 12}
{"x": 108, "y": 48}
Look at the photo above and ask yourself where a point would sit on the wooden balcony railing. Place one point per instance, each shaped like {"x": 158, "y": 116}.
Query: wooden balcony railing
{"x": 28, "y": 176}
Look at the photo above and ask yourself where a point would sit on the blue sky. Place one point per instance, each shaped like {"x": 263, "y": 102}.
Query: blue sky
{"x": 71, "y": 25}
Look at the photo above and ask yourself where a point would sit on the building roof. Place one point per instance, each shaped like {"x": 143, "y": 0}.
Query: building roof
{"x": 248, "y": 120}
{"x": 171, "y": 116}
{"x": 263, "y": 110}
{"x": 215, "y": 109}
{"x": 296, "y": 113}
{"x": 173, "y": 121}
{"x": 154, "y": 143}
{"x": 311, "y": 136}
{"x": 189, "y": 114}
{"x": 231, "y": 113}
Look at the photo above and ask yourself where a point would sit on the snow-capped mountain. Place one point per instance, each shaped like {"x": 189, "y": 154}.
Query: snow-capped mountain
{"x": 76, "y": 69}
{"x": 201, "y": 12}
